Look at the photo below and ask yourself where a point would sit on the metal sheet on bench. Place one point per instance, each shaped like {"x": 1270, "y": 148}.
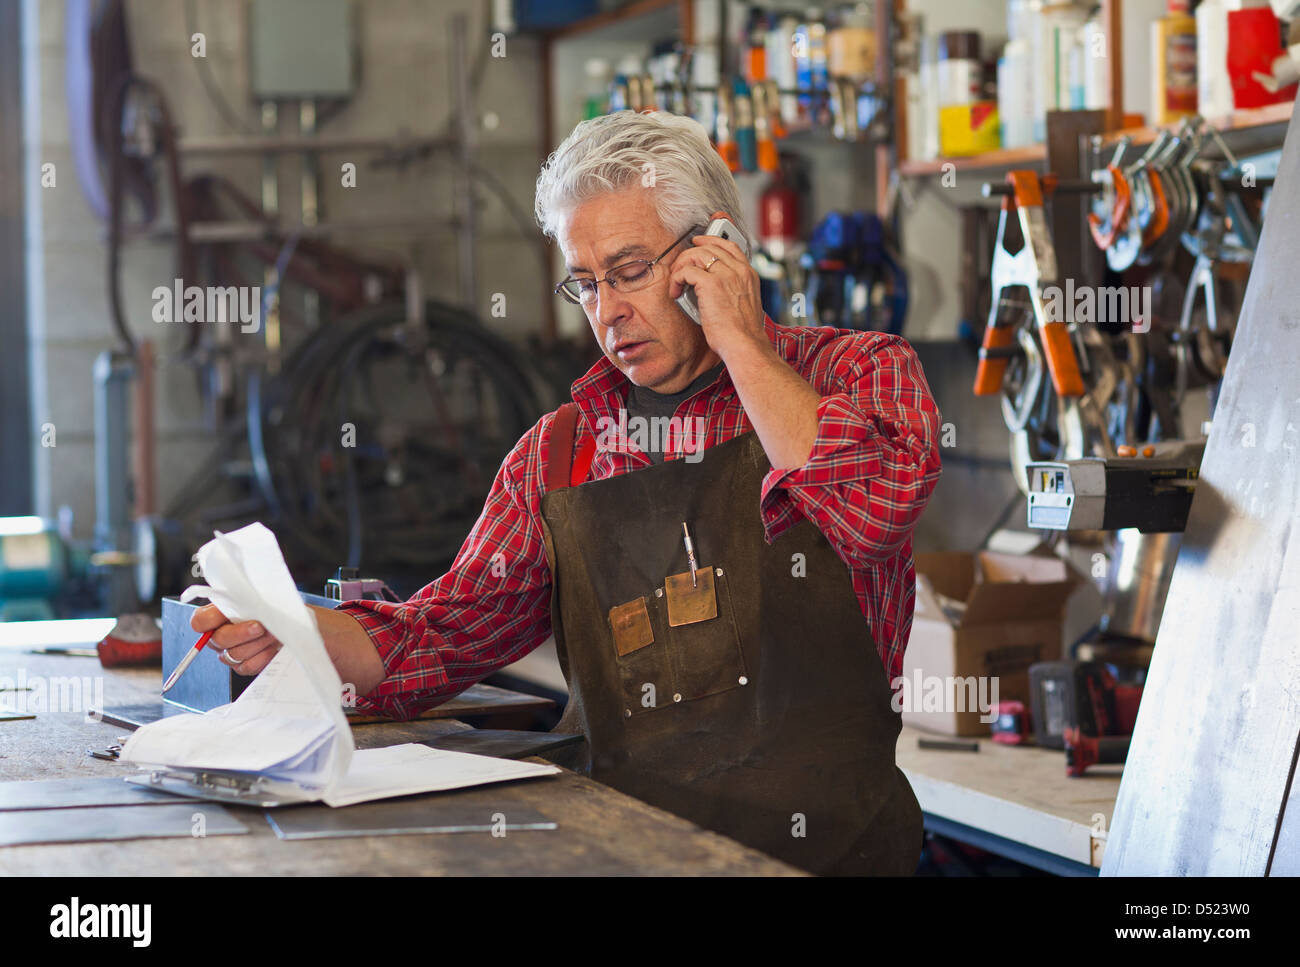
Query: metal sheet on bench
{"x": 97, "y": 824}
{"x": 75, "y": 793}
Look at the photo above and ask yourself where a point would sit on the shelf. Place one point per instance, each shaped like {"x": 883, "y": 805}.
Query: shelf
{"x": 1236, "y": 121}
{"x": 1256, "y": 117}
{"x": 1002, "y": 158}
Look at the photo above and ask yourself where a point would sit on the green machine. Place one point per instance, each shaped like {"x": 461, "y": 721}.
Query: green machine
{"x": 38, "y": 569}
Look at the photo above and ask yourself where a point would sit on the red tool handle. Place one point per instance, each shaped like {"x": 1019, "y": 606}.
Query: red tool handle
{"x": 1118, "y": 215}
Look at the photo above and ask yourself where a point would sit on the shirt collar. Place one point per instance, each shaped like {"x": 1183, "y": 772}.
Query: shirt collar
{"x": 603, "y": 388}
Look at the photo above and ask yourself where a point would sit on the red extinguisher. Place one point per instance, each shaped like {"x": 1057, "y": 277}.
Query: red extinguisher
{"x": 779, "y": 217}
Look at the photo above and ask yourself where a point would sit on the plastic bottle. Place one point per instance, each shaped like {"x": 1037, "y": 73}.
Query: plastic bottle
{"x": 930, "y": 96}
{"x": 704, "y": 80}
{"x": 1015, "y": 100}
{"x": 1173, "y": 56}
{"x": 780, "y": 64}
{"x": 1096, "y": 80}
{"x": 756, "y": 31}
{"x": 1055, "y": 36}
{"x": 1213, "y": 85}
{"x": 627, "y": 76}
{"x": 818, "y": 61}
{"x": 595, "y": 100}
{"x": 852, "y": 45}
{"x": 915, "y": 83}
{"x": 1018, "y": 20}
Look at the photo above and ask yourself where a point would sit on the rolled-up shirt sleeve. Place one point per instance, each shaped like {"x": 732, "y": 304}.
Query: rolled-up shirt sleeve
{"x": 875, "y": 460}
{"x": 490, "y": 609}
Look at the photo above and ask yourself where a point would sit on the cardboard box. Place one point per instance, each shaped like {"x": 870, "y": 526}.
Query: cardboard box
{"x": 979, "y": 618}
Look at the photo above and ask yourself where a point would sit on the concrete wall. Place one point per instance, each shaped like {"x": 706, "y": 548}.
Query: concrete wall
{"x": 404, "y": 77}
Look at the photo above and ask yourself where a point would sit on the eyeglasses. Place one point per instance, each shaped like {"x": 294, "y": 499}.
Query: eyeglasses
{"x": 627, "y": 277}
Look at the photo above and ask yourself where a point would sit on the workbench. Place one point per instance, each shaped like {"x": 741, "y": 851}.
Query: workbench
{"x": 600, "y": 831}
{"x": 1015, "y": 801}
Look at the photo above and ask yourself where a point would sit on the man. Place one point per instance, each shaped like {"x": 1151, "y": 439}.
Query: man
{"x": 715, "y": 602}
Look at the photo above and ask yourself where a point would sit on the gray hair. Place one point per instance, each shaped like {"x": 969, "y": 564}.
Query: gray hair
{"x": 668, "y": 152}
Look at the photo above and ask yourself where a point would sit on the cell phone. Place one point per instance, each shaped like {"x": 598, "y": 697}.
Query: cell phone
{"x": 720, "y": 225}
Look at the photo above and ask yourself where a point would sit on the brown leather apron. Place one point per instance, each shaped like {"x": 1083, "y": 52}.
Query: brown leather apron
{"x": 761, "y": 710}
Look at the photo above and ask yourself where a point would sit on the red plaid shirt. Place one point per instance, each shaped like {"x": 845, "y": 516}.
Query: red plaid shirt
{"x": 872, "y": 469}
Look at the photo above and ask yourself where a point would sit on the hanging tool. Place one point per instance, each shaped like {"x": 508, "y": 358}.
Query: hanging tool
{"x": 1054, "y": 419}
{"x": 1116, "y": 200}
{"x": 1032, "y": 267}
{"x": 768, "y": 156}
{"x": 724, "y": 139}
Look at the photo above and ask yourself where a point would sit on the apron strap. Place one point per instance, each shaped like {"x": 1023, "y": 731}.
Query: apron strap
{"x": 562, "y": 468}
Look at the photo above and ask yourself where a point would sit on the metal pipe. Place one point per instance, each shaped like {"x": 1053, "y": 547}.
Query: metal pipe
{"x": 310, "y": 200}
{"x": 142, "y": 440}
{"x": 464, "y": 181}
{"x": 236, "y": 230}
{"x": 1142, "y": 566}
{"x": 270, "y": 171}
{"x": 295, "y": 143}
{"x": 307, "y": 126}
{"x": 113, "y": 373}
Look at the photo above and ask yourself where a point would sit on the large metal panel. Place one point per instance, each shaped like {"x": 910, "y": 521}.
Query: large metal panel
{"x": 1213, "y": 750}
{"x": 207, "y": 683}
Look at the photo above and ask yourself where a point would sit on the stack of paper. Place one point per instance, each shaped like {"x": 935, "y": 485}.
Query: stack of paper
{"x": 288, "y": 726}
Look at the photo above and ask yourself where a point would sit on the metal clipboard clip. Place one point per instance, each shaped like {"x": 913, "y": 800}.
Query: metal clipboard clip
{"x": 236, "y": 788}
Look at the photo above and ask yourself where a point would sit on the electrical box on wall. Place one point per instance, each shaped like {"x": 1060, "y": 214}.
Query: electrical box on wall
{"x": 300, "y": 49}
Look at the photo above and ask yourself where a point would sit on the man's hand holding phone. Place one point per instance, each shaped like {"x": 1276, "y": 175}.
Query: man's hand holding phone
{"x": 714, "y": 278}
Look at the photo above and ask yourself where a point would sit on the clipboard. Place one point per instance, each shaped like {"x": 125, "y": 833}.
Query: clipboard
{"x": 215, "y": 785}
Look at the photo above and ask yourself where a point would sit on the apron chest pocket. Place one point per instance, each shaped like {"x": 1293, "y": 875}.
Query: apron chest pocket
{"x": 643, "y": 667}
{"x": 679, "y": 662}
{"x": 707, "y": 657}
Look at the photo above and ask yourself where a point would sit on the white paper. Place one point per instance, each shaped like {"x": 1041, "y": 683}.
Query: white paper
{"x": 382, "y": 773}
{"x": 289, "y": 724}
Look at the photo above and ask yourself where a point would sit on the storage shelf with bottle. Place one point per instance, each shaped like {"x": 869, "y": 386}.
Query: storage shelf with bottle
{"x": 790, "y": 100}
{"x": 752, "y": 79}
{"x": 970, "y": 105}
{"x": 967, "y": 110}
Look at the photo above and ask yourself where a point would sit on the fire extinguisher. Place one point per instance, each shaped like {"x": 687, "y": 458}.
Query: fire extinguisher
{"x": 779, "y": 217}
